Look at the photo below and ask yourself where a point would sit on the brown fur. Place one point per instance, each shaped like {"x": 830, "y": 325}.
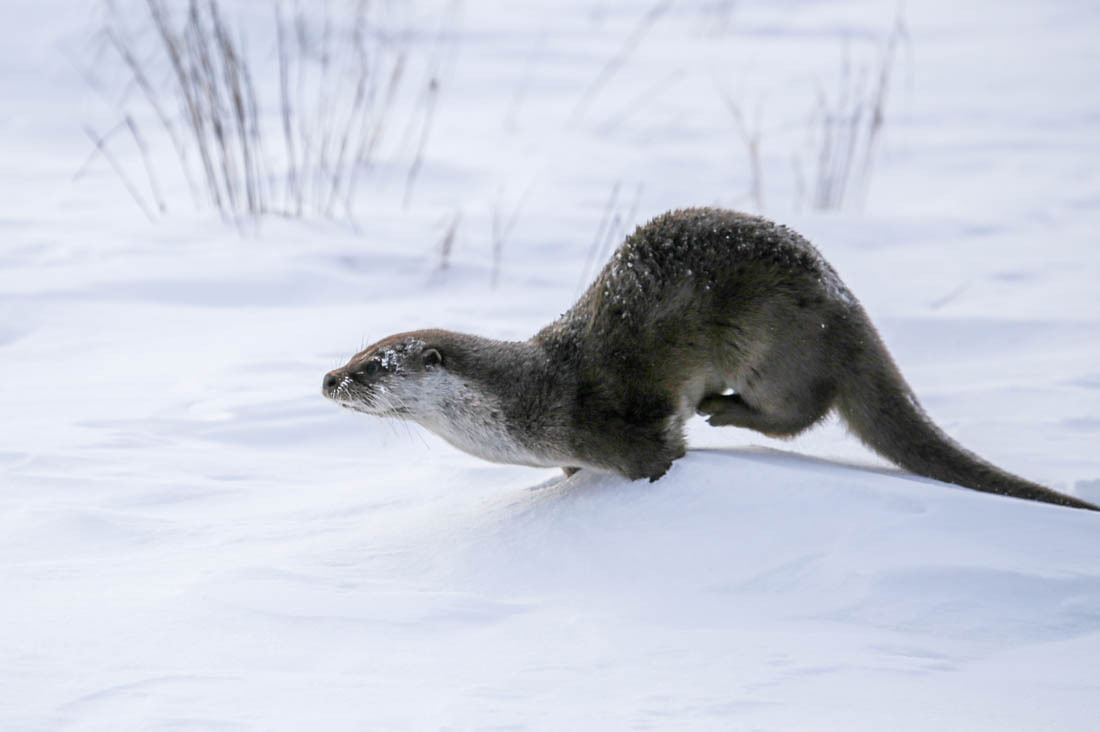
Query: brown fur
{"x": 715, "y": 311}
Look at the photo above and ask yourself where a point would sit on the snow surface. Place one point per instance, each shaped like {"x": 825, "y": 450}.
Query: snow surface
{"x": 192, "y": 538}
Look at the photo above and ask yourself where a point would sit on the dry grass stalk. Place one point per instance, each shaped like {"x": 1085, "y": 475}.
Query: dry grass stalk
{"x": 751, "y": 136}
{"x": 429, "y": 96}
{"x": 101, "y": 147}
{"x": 335, "y": 90}
{"x": 601, "y": 232}
{"x": 446, "y": 244}
{"x": 139, "y": 140}
{"x": 502, "y": 230}
{"x": 848, "y": 126}
{"x": 620, "y": 57}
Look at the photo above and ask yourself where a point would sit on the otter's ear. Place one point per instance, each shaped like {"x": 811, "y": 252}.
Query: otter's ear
{"x": 431, "y": 357}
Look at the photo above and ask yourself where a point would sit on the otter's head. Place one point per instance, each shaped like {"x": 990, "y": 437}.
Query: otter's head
{"x": 456, "y": 385}
{"x": 385, "y": 379}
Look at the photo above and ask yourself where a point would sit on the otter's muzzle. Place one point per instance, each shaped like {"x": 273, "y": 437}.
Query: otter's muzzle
{"x": 331, "y": 381}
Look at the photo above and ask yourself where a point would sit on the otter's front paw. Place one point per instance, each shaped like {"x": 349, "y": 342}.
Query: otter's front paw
{"x": 652, "y": 458}
{"x": 652, "y": 469}
{"x": 654, "y": 477}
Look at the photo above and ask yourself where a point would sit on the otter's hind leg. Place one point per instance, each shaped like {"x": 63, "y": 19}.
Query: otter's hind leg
{"x": 728, "y": 410}
{"x": 724, "y": 410}
{"x": 787, "y": 392}
{"x": 731, "y": 410}
{"x": 781, "y": 370}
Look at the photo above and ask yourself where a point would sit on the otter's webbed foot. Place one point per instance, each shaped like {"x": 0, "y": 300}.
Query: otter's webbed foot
{"x": 785, "y": 420}
{"x": 727, "y": 410}
{"x": 654, "y": 464}
{"x": 654, "y": 477}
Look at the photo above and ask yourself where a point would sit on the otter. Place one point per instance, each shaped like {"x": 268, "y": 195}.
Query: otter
{"x": 700, "y": 311}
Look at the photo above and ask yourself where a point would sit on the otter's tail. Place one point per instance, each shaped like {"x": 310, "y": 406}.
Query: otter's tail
{"x": 880, "y": 408}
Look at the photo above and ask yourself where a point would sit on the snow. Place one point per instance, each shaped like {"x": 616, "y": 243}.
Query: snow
{"x": 191, "y": 537}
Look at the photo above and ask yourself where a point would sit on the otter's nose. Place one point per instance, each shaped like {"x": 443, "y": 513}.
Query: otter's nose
{"x": 331, "y": 381}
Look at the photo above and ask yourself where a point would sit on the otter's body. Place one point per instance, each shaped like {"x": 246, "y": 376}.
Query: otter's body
{"x": 701, "y": 310}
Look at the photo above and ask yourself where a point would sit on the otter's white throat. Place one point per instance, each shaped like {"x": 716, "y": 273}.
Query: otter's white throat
{"x": 463, "y": 415}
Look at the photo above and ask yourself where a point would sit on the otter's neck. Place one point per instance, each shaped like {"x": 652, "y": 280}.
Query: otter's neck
{"x": 501, "y": 401}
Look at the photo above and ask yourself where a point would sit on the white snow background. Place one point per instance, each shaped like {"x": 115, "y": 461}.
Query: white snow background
{"x": 192, "y": 538}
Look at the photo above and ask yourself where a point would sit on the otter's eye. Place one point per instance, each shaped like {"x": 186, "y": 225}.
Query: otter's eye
{"x": 431, "y": 357}
{"x": 363, "y": 375}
